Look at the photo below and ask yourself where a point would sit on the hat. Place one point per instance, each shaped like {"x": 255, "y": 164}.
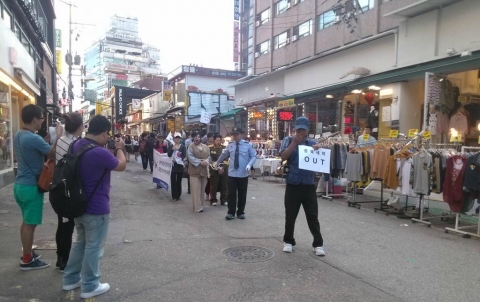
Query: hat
{"x": 237, "y": 130}
{"x": 177, "y": 135}
{"x": 302, "y": 123}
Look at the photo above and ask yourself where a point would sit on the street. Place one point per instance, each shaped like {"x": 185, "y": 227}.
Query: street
{"x": 158, "y": 250}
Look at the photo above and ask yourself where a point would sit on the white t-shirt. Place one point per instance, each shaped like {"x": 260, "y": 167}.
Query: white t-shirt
{"x": 62, "y": 146}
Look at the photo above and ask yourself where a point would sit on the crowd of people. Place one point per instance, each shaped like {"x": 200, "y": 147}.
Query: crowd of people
{"x": 210, "y": 166}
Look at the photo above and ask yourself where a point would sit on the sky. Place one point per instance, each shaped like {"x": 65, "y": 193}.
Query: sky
{"x": 186, "y": 31}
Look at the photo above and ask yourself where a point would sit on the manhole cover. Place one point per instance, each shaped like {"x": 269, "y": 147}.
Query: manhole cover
{"x": 248, "y": 254}
{"x": 47, "y": 243}
{"x": 3, "y": 212}
{"x": 3, "y": 224}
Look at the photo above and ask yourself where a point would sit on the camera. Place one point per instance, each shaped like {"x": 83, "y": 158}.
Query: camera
{"x": 111, "y": 144}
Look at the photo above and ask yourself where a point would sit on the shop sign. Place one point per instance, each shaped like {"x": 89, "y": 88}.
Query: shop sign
{"x": 366, "y": 137}
{"x": 285, "y": 116}
{"x": 457, "y": 138}
{"x": 179, "y": 123}
{"x": 121, "y": 66}
{"x": 257, "y": 114}
{"x": 136, "y": 103}
{"x": 98, "y": 108}
{"x": 120, "y": 76}
{"x": 166, "y": 91}
{"x": 393, "y": 133}
{"x": 314, "y": 160}
{"x": 58, "y": 60}
{"x": 427, "y": 134}
{"x": 236, "y": 10}
{"x": 236, "y": 35}
{"x": 286, "y": 103}
{"x": 58, "y": 38}
{"x": 463, "y": 99}
{"x": 412, "y": 132}
{"x": 212, "y": 72}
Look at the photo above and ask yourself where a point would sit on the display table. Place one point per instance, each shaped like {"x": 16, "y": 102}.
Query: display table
{"x": 270, "y": 165}
{"x": 258, "y": 163}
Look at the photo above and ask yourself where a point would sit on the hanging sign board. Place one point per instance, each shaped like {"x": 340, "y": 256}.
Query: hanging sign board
{"x": 314, "y": 160}
{"x": 366, "y": 137}
{"x": 393, "y": 133}
{"x": 456, "y": 139}
{"x": 286, "y": 103}
{"x": 427, "y": 134}
{"x": 412, "y": 132}
{"x": 205, "y": 117}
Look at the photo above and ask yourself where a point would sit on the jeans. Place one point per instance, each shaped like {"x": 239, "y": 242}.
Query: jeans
{"x": 63, "y": 237}
{"x": 295, "y": 196}
{"x": 176, "y": 184}
{"x": 234, "y": 184}
{"x": 144, "y": 160}
{"x": 84, "y": 261}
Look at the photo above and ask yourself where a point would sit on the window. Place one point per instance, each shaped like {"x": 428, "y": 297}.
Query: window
{"x": 25, "y": 42}
{"x": 263, "y": 48}
{"x": 326, "y": 19}
{"x": 282, "y": 6}
{"x": 304, "y": 29}
{"x": 7, "y": 17}
{"x": 264, "y": 16}
{"x": 364, "y": 5}
{"x": 18, "y": 32}
{"x": 280, "y": 40}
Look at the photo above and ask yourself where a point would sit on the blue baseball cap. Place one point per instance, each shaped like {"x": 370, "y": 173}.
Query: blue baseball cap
{"x": 302, "y": 123}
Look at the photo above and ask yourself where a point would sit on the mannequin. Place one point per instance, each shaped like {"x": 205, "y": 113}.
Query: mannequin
{"x": 373, "y": 121}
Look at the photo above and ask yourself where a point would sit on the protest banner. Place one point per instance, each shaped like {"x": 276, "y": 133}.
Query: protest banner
{"x": 314, "y": 160}
{"x": 162, "y": 167}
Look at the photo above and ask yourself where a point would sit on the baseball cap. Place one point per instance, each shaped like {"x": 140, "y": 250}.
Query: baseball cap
{"x": 302, "y": 123}
{"x": 177, "y": 135}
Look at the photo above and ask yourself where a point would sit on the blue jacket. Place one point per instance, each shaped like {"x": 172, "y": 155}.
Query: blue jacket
{"x": 297, "y": 176}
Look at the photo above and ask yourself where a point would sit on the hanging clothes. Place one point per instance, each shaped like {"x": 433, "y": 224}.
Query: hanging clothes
{"x": 447, "y": 103}
{"x": 404, "y": 176}
{"x": 459, "y": 122}
{"x": 354, "y": 167}
{"x": 453, "y": 185}
{"x": 432, "y": 123}
{"x": 442, "y": 124}
{"x": 434, "y": 89}
{"x": 421, "y": 165}
{"x": 472, "y": 173}
{"x": 379, "y": 162}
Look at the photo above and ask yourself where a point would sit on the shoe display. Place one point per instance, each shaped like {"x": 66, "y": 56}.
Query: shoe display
{"x": 101, "y": 289}
{"x": 73, "y": 286}
{"x": 34, "y": 264}
{"x": 229, "y": 217}
{"x": 319, "y": 251}
{"x": 241, "y": 216}
{"x": 287, "y": 247}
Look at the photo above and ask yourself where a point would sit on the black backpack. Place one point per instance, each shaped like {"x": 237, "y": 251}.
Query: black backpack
{"x": 66, "y": 190}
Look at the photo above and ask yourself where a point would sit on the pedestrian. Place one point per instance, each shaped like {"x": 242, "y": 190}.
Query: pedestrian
{"x": 95, "y": 166}
{"x": 151, "y": 142}
{"x": 218, "y": 181}
{"x": 161, "y": 144}
{"x": 188, "y": 142}
{"x": 143, "y": 150}
{"x": 30, "y": 150}
{"x": 252, "y": 169}
{"x": 366, "y": 139}
{"x": 177, "y": 151}
{"x": 209, "y": 143}
{"x": 199, "y": 159}
{"x": 243, "y": 156}
{"x": 128, "y": 147}
{"x": 66, "y": 225}
{"x": 135, "y": 147}
{"x": 300, "y": 188}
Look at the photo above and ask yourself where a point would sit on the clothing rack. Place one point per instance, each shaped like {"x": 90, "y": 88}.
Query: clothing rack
{"x": 457, "y": 228}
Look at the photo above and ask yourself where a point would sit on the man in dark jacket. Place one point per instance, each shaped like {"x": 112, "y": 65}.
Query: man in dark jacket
{"x": 149, "y": 149}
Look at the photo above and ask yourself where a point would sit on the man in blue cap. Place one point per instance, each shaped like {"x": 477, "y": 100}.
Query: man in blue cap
{"x": 300, "y": 189}
{"x": 242, "y": 157}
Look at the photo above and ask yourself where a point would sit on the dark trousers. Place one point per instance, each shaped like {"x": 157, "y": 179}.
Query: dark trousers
{"x": 176, "y": 184}
{"x": 63, "y": 237}
{"x": 296, "y": 195}
{"x": 188, "y": 182}
{"x": 237, "y": 185}
{"x": 219, "y": 183}
{"x": 144, "y": 160}
{"x": 150, "y": 162}
{"x": 207, "y": 187}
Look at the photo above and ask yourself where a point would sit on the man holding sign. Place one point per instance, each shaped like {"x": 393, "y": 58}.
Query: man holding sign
{"x": 300, "y": 188}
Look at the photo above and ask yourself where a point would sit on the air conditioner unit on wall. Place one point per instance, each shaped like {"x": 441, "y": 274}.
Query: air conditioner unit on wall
{"x": 294, "y": 38}
{"x": 257, "y": 54}
{"x": 257, "y": 23}
{"x": 288, "y": 5}
{"x": 287, "y": 41}
{"x": 337, "y": 19}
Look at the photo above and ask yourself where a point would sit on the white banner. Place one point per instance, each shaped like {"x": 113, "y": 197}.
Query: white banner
{"x": 136, "y": 103}
{"x": 314, "y": 160}
{"x": 162, "y": 167}
{"x": 205, "y": 117}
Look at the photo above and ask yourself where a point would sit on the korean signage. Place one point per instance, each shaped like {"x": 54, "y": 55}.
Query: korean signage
{"x": 236, "y": 42}
{"x": 285, "y": 116}
{"x": 121, "y": 66}
{"x": 314, "y": 160}
{"x": 286, "y": 103}
{"x": 98, "y": 108}
{"x": 212, "y": 72}
{"x": 213, "y": 103}
{"x": 166, "y": 91}
{"x": 58, "y": 38}
{"x": 236, "y": 10}
{"x": 58, "y": 60}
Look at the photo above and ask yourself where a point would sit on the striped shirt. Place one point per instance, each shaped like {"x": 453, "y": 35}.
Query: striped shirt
{"x": 62, "y": 146}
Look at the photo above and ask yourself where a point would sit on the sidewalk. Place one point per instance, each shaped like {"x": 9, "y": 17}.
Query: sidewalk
{"x": 158, "y": 250}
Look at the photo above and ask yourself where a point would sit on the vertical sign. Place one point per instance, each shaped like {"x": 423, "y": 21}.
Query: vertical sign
{"x": 236, "y": 32}
{"x": 166, "y": 91}
{"x": 98, "y": 108}
{"x": 58, "y": 60}
{"x": 58, "y": 38}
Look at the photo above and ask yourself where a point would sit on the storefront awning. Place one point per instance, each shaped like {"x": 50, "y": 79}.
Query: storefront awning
{"x": 231, "y": 113}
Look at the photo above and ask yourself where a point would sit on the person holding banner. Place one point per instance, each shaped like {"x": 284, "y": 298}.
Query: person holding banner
{"x": 177, "y": 152}
{"x": 300, "y": 189}
{"x": 199, "y": 159}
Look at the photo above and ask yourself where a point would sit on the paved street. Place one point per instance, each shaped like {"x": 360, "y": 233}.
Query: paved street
{"x": 158, "y": 250}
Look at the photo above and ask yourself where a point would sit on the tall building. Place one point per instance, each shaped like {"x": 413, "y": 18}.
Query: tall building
{"x": 118, "y": 58}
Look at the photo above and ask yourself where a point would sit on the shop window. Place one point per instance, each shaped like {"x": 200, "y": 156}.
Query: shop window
{"x": 303, "y": 30}
{"x": 282, "y": 6}
{"x": 280, "y": 40}
{"x": 263, "y": 48}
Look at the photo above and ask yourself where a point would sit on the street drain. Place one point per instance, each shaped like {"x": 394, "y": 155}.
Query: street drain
{"x": 248, "y": 254}
{"x": 47, "y": 243}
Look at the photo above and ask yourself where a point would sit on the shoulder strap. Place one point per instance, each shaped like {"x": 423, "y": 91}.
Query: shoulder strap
{"x": 96, "y": 186}
{"x": 85, "y": 149}
{"x": 21, "y": 153}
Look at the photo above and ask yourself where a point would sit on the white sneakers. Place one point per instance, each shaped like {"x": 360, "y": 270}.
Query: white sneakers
{"x": 214, "y": 204}
{"x": 287, "y": 247}
{"x": 319, "y": 251}
{"x": 73, "y": 286}
{"x": 101, "y": 289}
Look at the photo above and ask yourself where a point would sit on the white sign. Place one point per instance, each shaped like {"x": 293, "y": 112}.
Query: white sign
{"x": 386, "y": 114}
{"x": 169, "y": 137}
{"x": 205, "y": 117}
{"x": 314, "y": 160}
{"x": 162, "y": 167}
{"x": 136, "y": 103}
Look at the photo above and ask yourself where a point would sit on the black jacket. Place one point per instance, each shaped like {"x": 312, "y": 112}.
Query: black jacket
{"x": 176, "y": 167}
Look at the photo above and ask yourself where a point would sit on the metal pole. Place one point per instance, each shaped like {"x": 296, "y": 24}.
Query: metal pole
{"x": 70, "y": 92}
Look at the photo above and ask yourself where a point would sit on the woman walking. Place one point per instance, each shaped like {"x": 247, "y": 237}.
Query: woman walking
{"x": 128, "y": 147}
{"x": 66, "y": 225}
{"x": 199, "y": 159}
{"x": 135, "y": 147}
{"x": 179, "y": 152}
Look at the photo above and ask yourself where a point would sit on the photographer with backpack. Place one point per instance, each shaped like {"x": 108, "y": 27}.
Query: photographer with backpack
{"x": 95, "y": 165}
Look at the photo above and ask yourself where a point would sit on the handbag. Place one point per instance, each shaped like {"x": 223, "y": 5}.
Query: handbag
{"x": 46, "y": 176}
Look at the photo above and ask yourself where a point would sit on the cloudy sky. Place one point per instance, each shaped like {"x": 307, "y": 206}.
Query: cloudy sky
{"x": 186, "y": 31}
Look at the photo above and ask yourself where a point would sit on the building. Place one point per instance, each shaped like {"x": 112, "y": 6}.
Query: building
{"x": 337, "y": 61}
{"x": 197, "y": 89}
{"x": 27, "y": 69}
{"x": 120, "y": 58}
